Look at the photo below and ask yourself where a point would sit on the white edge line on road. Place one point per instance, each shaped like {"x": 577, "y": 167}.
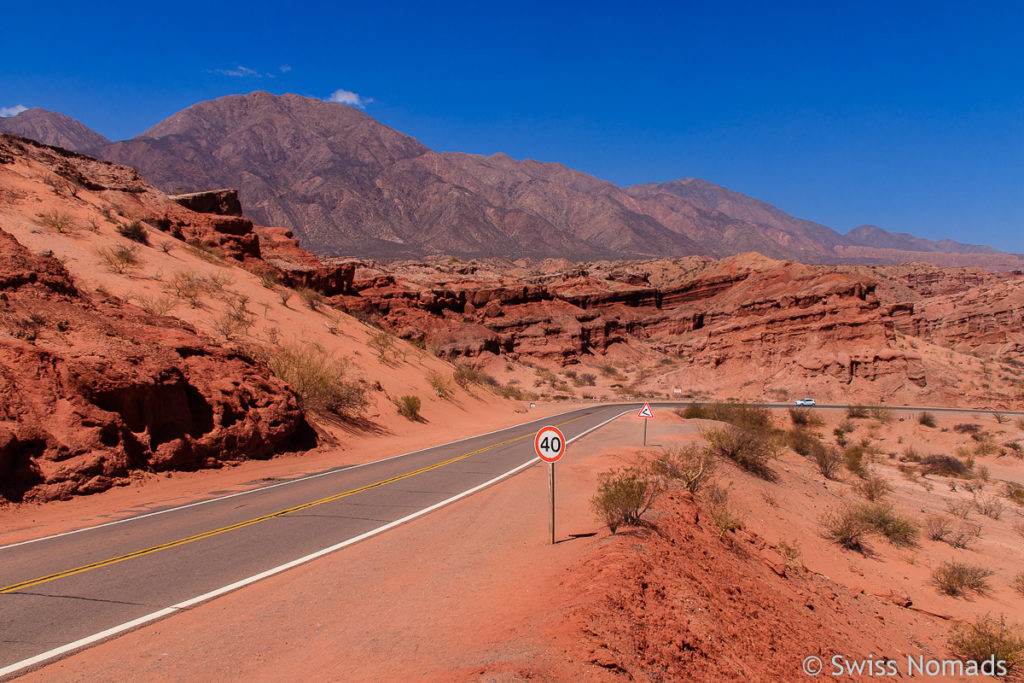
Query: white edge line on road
{"x": 307, "y": 477}
{"x": 192, "y": 602}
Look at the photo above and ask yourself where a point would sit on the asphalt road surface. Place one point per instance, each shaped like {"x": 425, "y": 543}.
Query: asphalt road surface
{"x": 64, "y": 592}
{"x": 61, "y": 593}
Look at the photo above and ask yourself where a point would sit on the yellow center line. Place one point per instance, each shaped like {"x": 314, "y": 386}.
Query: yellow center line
{"x": 256, "y": 520}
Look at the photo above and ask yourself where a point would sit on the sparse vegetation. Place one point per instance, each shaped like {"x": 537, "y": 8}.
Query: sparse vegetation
{"x": 1000, "y": 418}
{"x": 268, "y": 277}
{"x": 960, "y": 508}
{"x": 624, "y": 495}
{"x": 119, "y": 258}
{"x": 858, "y": 412}
{"x": 749, "y": 449}
{"x": 319, "y": 379}
{"x": 882, "y": 518}
{"x": 409, "y": 406}
{"x": 691, "y": 465}
{"x": 384, "y": 343}
{"x": 990, "y": 507}
{"x": 988, "y": 638}
{"x": 465, "y": 375}
{"x": 881, "y": 414}
{"x": 937, "y": 528}
{"x": 135, "y": 231}
{"x": 156, "y": 305}
{"x": 957, "y": 579}
{"x": 721, "y": 510}
{"x": 847, "y": 528}
{"x": 926, "y": 419}
{"x": 945, "y": 465}
{"x": 205, "y": 251}
{"x": 440, "y": 384}
{"x": 1018, "y": 582}
{"x": 55, "y": 220}
{"x": 874, "y": 488}
{"x": 312, "y": 298}
{"x": 190, "y": 287}
{"x": 804, "y": 417}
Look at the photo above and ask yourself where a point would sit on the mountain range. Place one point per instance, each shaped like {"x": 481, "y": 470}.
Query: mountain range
{"x": 349, "y": 185}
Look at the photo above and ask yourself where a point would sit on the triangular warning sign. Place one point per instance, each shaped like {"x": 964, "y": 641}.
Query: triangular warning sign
{"x": 645, "y": 411}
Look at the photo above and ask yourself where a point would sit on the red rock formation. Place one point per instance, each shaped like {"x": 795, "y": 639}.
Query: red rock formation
{"x": 94, "y": 389}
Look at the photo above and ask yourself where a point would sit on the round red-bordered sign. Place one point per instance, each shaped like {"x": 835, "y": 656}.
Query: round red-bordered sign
{"x": 549, "y": 444}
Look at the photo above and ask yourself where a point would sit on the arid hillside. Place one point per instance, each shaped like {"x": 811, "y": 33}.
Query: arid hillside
{"x": 138, "y": 336}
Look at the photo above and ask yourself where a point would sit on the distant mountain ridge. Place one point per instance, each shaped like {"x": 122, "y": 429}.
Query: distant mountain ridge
{"x": 53, "y": 128}
{"x": 349, "y": 185}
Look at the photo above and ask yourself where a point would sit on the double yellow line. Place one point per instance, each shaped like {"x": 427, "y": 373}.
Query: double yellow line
{"x": 256, "y": 520}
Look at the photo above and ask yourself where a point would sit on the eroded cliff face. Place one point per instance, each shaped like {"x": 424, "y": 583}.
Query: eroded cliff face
{"x": 747, "y": 321}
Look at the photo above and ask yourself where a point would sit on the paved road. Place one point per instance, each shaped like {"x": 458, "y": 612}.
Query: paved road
{"x": 59, "y": 590}
{"x": 64, "y": 592}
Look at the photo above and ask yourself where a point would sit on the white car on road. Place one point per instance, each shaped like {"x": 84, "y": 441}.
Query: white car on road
{"x": 805, "y": 402}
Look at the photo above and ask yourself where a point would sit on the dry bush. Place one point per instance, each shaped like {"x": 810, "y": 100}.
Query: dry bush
{"x": 268, "y": 277}
{"x": 960, "y": 508}
{"x": 883, "y": 415}
{"x": 883, "y": 519}
{"x": 967, "y": 428}
{"x": 721, "y": 510}
{"x": 55, "y": 220}
{"x": 312, "y": 298}
{"x": 624, "y": 495}
{"x": 1015, "y": 492}
{"x": 190, "y": 287}
{"x": 792, "y": 555}
{"x": 926, "y": 419}
{"x": 990, "y": 507}
{"x": 691, "y": 465}
{"x": 874, "y": 488}
{"x": 385, "y": 344}
{"x": 156, "y": 305}
{"x": 749, "y": 449}
{"x": 319, "y": 380}
{"x": 440, "y": 384}
{"x": 1000, "y": 418}
{"x": 937, "y": 528}
{"x": 857, "y": 412}
{"x": 957, "y": 579}
{"x": 465, "y": 375}
{"x": 847, "y": 528}
{"x": 135, "y": 231}
{"x": 988, "y": 639}
{"x": 119, "y": 258}
{"x": 964, "y": 535}
{"x": 804, "y": 417}
{"x": 944, "y": 465}
{"x": 233, "y": 322}
{"x": 207, "y": 252}
{"x": 1018, "y": 583}
{"x": 854, "y": 457}
{"x": 409, "y": 406}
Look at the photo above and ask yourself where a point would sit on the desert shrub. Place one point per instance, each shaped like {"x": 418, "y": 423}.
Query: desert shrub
{"x": 722, "y": 513}
{"x": 440, "y": 384}
{"x": 804, "y": 417}
{"x": 1018, "y": 583}
{"x": 119, "y": 258}
{"x": 156, "y": 305}
{"x": 207, "y": 252}
{"x": 586, "y": 379}
{"x": 409, "y": 406}
{"x": 990, "y": 507}
{"x": 926, "y": 419}
{"x": 135, "y": 231}
{"x": 828, "y": 460}
{"x": 1015, "y": 448}
{"x": 268, "y": 277}
{"x": 384, "y": 343}
{"x": 318, "y": 379}
{"x": 694, "y": 411}
{"x": 988, "y": 639}
{"x": 964, "y": 535}
{"x": 960, "y": 508}
{"x": 957, "y": 578}
{"x": 881, "y": 414}
{"x": 690, "y": 465}
{"x": 310, "y": 297}
{"x": 847, "y": 528}
{"x": 1015, "y": 492}
{"x": 1000, "y": 418}
{"x": 874, "y": 488}
{"x": 937, "y": 528}
{"x": 945, "y": 465}
{"x": 858, "y": 412}
{"x": 967, "y": 428}
{"x": 854, "y": 458}
{"x": 233, "y": 322}
{"x": 190, "y": 287}
{"x": 792, "y": 555}
{"x": 465, "y": 375}
{"x": 910, "y": 454}
{"x": 61, "y": 222}
{"x": 882, "y": 518}
{"x": 624, "y": 495}
{"x": 751, "y": 450}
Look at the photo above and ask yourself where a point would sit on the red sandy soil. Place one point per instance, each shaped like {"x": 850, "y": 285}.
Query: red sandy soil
{"x": 473, "y": 592}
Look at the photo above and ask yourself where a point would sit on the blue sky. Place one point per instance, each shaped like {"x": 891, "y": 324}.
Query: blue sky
{"x": 909, "y": 116}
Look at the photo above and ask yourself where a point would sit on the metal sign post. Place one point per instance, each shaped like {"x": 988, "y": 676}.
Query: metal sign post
{"x": 646, "y": 414}
{"x": 550, "y": 446}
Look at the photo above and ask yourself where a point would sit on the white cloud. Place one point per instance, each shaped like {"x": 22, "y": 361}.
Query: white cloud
{"x": 7, "y": 112}
{"x": 239, "y": 72}
{"x": 284, "y": 68}
{"x": 349, "y": 98}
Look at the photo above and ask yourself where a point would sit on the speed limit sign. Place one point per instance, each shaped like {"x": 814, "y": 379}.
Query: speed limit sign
{"x": 549, "y": 444}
